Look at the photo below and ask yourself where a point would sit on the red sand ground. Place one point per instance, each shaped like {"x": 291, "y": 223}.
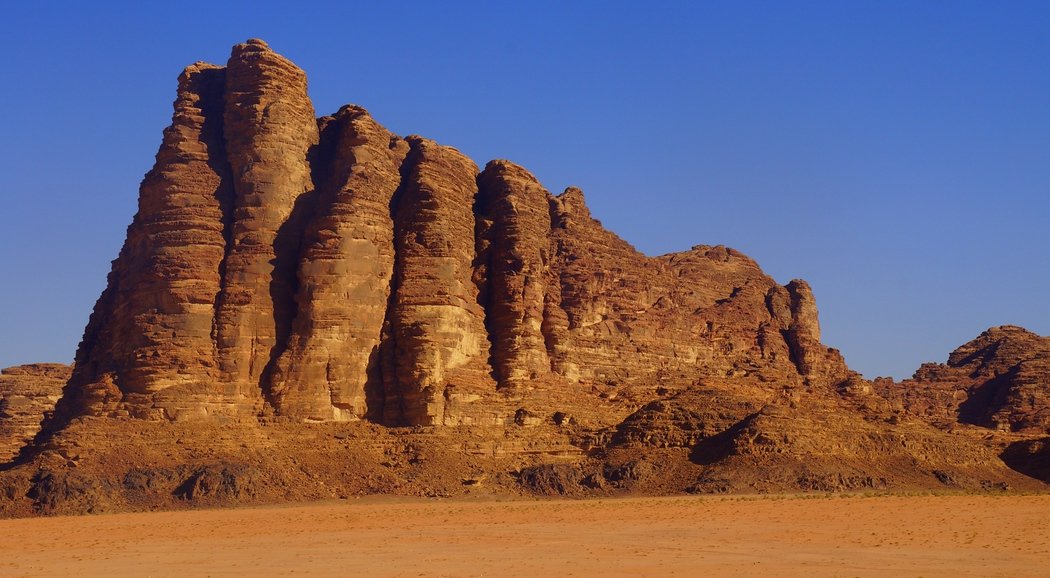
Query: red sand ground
{"x": 684, "y": 536}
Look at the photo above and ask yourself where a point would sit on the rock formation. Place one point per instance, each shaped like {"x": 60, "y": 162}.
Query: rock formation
{"x": 310, "y": 308}
{"x": 270, "y": 131}
{"x": 1000, "y": 380}
{"x": 27, "y": 394}
{"x": 329, "y": 270}
{"x": 330, "y": 366}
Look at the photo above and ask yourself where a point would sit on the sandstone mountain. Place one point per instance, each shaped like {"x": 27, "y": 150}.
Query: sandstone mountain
{"x": 315, "y": 307}
{"x": 329, "y": 270}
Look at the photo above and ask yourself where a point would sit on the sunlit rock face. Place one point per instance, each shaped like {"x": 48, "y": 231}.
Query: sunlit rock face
{"x": 329, "y": 270}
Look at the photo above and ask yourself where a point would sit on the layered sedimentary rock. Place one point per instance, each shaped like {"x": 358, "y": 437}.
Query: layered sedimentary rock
{"x": 330, "y": 369}
{"x": 270, "y": 129}
{"x": 285, "y": 269}
{"x": 999, "y": 380}
{"x": 27, "y": 394}
{"x": 326, "y": 269}
{"x": 707, "y": 312}
{"x": 514, "y": 225}
{"x": 152, "y": 328}
{"x": 436, "y": 326}
{"x": 200, "y": 299}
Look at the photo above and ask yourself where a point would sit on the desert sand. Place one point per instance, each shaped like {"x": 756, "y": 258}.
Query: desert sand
{"x": 678, "y": 536}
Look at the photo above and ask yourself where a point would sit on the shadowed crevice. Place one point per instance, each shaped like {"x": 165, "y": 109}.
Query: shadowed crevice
{"x": 482, "y": 273}
{"x": 392, "y": 410}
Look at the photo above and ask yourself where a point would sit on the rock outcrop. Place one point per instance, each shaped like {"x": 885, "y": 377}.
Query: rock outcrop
{"x": 1000, "y": 380}
{"x": 152, "y": 329}
{"x": 330, "y": 368}
{"x": 270, "y": 131}
{"x": 437, "y": 338}
{"x": 28, "y": 393}
{"x": 514, "y": 229}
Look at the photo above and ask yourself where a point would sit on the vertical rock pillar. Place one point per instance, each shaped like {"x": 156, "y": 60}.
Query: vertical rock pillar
{"x": 270, "y": 129}
{"x": 516, "y": 211}
{"x": 151, "y": 329}
{"x": 435, "y": 322}
{"x": 330, "y": 368}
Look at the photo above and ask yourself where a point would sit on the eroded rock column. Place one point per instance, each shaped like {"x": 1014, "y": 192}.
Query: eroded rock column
{"x": 330, "y": 369}
{"x": 815, "y": 361}
{"x": 435, "y": 322}
{"x": 270, "y": 129}
{"x": 516, "y": 215}
{"x": 152, "y": 328}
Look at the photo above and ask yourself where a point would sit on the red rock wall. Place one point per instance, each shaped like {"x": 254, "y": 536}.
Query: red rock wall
{"x": 330, "y": 270}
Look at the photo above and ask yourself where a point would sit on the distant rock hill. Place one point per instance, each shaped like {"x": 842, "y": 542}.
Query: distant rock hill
{"x": 1000, "y": 380}
{"x": 315, "y": 307}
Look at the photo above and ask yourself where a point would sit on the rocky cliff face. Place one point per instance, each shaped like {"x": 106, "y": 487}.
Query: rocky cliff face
{"x": 326, "y": 269}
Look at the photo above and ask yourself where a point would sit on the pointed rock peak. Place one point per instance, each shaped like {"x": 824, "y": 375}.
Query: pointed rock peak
{"x": 508, "y": 170}
{"x": 571, "y": 202}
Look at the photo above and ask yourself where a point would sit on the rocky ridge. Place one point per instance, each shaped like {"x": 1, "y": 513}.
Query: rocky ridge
{"x": 309, "y": 308}
{"x": 1000, "y": 380}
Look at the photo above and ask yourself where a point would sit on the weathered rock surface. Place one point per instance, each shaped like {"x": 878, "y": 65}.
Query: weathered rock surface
{"x": 270, "y": 129}
{"x": 27, "y": 394}
{"x": 1000, "y": 380}
{"x": 436, "y": 325}
{"x": 514, "y": 227}
{"x": 311, "y": 308}
{"x": 330, "y": 368}
{"x": 152, "y": 328}
{"x": 330, "y": 270}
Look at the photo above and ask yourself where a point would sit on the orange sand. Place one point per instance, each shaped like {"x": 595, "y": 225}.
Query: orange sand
{"x": 684, "y": 536}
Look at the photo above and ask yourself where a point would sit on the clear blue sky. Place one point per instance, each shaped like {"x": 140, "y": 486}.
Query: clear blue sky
{"x": 894, "y": 154}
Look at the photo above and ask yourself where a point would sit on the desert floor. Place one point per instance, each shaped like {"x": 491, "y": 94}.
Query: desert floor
{"x": 684, "y": 536}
